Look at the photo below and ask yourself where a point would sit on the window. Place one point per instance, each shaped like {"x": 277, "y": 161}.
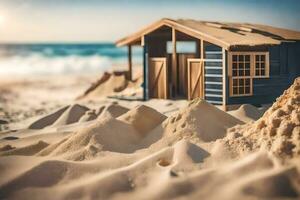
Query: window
{"x": 261, "y": 65}
{"x": 241, "y": 86}
{"x": 182, "y": 47}
{"x": 243, "y": 67}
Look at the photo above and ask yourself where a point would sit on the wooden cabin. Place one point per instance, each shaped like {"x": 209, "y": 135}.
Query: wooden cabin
{"x": 227, "y": 64}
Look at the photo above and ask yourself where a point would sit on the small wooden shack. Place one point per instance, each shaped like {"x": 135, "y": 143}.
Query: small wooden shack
{"x": 224, "y": 63}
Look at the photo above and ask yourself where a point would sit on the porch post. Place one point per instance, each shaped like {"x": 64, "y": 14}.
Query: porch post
{"x": 145, "y": 71}
{"x": 129, "y": 63}
{"x": 174, "y": 63}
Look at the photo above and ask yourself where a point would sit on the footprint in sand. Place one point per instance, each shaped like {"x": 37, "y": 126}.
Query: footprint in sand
{"x": 163, "y": 162}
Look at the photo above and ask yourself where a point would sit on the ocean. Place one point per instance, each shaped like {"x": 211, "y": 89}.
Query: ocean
{"x": 57, "y": 59}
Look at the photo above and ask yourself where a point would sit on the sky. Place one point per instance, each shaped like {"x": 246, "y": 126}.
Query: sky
{"x": 36, "y": 21}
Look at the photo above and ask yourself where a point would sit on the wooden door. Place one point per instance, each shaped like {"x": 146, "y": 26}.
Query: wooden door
{"x": 158, "y": 78}
{"x": 195, "y": 78}
{"x": 182, "y": 73}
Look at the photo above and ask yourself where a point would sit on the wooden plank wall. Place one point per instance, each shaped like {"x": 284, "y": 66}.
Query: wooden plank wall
{"x": 213, "y": 73}
{"x": 284, "y": 67}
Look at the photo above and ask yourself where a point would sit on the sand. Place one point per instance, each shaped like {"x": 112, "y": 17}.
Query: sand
{"x": 143, "y": 119}
{"x": 278, "y": 130}
{"x": 112, "y": 83}
{"x": 155, "y": 150}
{"x": 247, "y": 113}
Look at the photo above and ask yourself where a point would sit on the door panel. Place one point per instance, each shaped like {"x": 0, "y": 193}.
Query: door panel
{"x": 195, "y": 78}
{"x": 158, "y": 78}
{"x": 182, "y": 73}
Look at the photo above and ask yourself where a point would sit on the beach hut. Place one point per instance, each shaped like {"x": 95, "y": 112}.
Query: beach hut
{"x": 226, "y": 64}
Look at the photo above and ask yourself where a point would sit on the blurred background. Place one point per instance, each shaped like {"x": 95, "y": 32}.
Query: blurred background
{"x": 40, "y": 37}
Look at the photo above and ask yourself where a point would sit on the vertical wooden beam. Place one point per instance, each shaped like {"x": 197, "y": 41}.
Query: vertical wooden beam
{"x": 129, "y": 63}
{"x": 174, "y": 63}
{"x": 201, "y": 49}
{"x": 202, "y": 92}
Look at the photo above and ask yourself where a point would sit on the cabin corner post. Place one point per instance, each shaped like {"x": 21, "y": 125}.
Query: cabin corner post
{"x": 174, "y": 62}
{"x": 224, "y": 78}
{"x": 146, "y": 70}
{"x": 129, "y": 62}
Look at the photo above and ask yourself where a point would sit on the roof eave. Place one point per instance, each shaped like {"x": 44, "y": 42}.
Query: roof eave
{"x": 173, "y": 24}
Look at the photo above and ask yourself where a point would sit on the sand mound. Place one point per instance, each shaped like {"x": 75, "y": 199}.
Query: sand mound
{"x": 143, "y": 118}
{"x": 6, "y": 148}
{"x": 277, "y": 131}
{"x": 109, "y": 84}
{"x": 48, "y": 120}
{"x": 199, "y": 119}
{"x": 186, "y": 152}
{"x": 107, "y": 134}
{"x": 88, "y": 116}
{"x": 27, "y": 150}
{"x": 63, "y": 116}
{"x": 71, "y": 115}
{"x": 113, "y": 110}
{"x": 247, "y": 113}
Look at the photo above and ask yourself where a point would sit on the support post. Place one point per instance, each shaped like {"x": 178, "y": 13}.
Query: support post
{"x": 129, "y": 63}
{"x": 174, "y": 63}
{"x": 201, "y": 49}
{"x": 145, "y": 72}
{"x": 224, "y": 56}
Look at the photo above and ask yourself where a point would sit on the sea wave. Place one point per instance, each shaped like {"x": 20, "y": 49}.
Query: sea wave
{"x": 37, "y": 64}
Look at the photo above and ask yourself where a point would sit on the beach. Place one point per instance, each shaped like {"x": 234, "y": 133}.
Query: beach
{"x": 63, "y": 143}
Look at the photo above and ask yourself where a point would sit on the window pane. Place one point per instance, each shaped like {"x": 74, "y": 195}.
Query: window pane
{"x": 234, "y": 72}
{"x": 263, "y": 58}
{"x": 257, "y": 72}
{"x": 247, "y": 90}
{"x": 257, "y": 65}
{"x": 182, "y": 47}
{"x": 241, "y": 65}
{"x": 241, "y": 90}
{"x": 263, "y": 72}
{"x": 241, "y": 72}
{"x": 241, "y": 82}
{"x": 247, "y": 58}
{"x": 262, "y": 65}
{"x": 235, "y": 82}
{"x": 247, "y": 65}
{"x": 257, "y": 58}
{"x": 235, "y": 90}
{"x": 247, "y": 72}
{"x": 234, "y": 65}
{"x": 241, "y": 58}
{"x": 234, "y": 58}
{"x": 247, "y": 81}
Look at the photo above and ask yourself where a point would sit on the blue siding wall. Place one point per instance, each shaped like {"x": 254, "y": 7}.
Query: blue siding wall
{"x": 213, "y": 70}
{"x": 145, "y": 74}
{"x": 284, "y": 68}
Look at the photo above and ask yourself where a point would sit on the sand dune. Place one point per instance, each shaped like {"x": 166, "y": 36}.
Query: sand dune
{"x": 111, "y": 83}
{"x": 143, "y": 118}
{"x": 48, "y": 120}
{"x": 247, "y": 113}
{"x": 278, "y": 130}
{"x": 200, "y": 152}
{"x": 71, "y": 115}
{"x": 200, "y": 119}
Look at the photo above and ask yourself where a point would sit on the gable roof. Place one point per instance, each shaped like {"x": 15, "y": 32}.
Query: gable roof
{"x": 220, "y": 33}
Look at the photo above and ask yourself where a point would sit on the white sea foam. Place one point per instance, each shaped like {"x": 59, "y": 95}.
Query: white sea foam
{"x": 37, "y": 64}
